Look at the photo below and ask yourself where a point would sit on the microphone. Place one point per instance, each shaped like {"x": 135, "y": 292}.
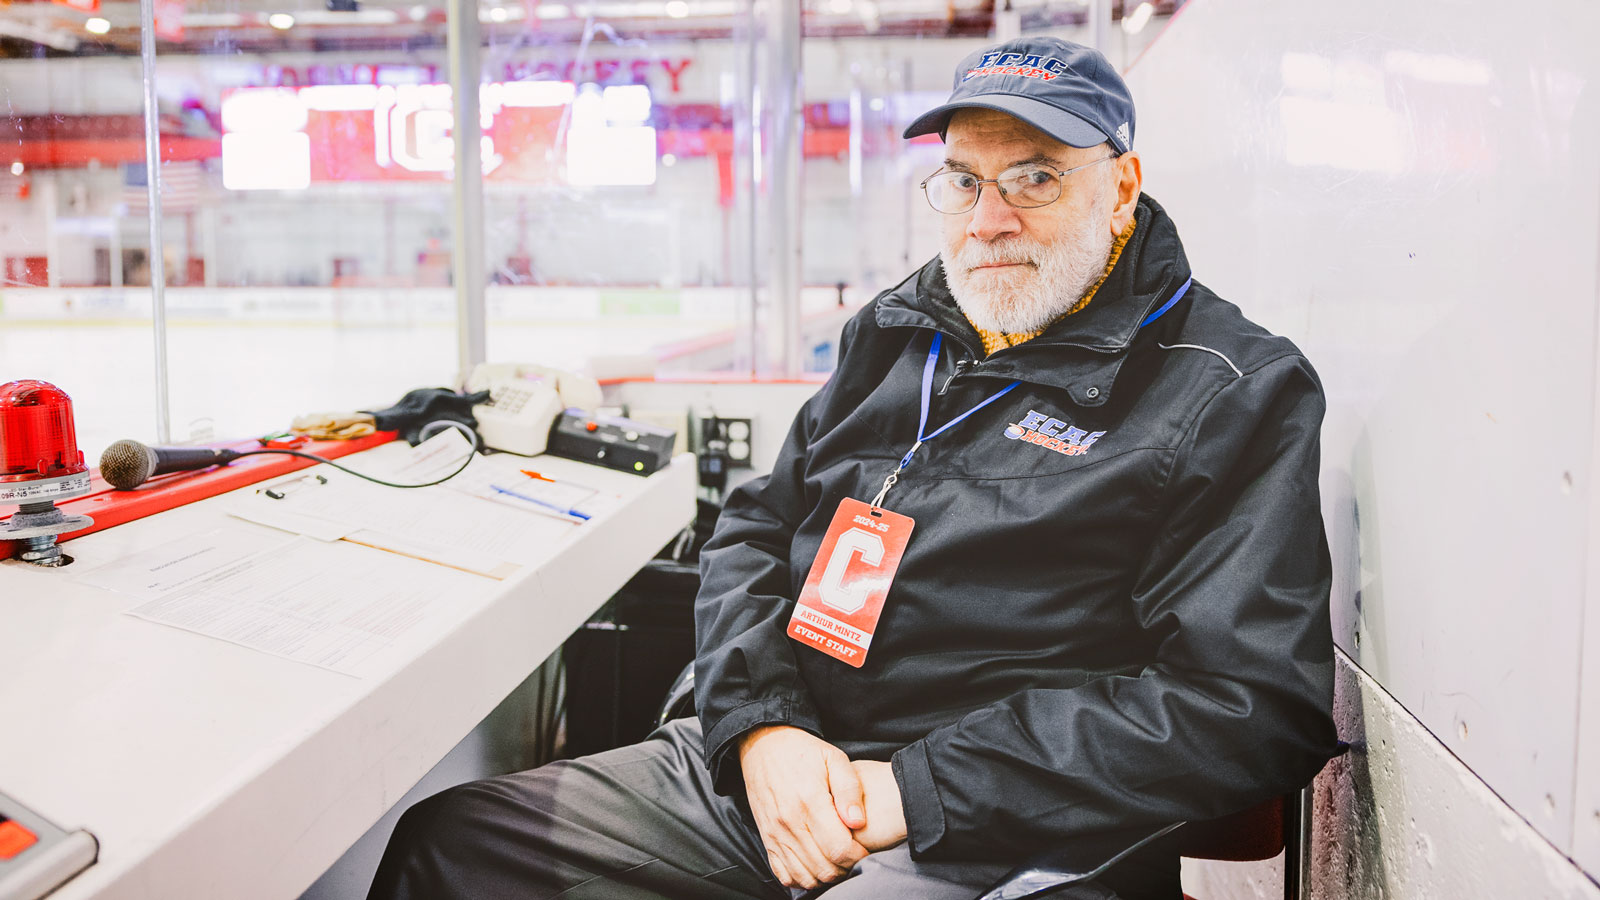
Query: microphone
{"x": 127, "y": 464}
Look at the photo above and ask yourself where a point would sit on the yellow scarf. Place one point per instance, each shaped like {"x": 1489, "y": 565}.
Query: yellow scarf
{"x": 994, "y": 340}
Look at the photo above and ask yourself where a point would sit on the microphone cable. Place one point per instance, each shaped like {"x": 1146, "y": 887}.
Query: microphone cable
{"x": 472, "y": 451}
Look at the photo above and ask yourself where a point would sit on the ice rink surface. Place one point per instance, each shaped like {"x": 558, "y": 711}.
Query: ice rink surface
{"x": 239, "y": 380}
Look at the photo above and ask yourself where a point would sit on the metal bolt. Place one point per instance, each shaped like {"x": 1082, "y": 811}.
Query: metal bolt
{"x": 35, "y": 526}
{"x": 1093, "y": 392}
{"x": 41, "y": 551}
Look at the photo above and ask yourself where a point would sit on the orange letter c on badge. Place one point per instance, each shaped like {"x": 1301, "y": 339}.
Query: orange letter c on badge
{"x": 832, "y": 589}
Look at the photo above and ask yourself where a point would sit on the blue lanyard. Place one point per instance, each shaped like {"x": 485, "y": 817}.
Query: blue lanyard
{"x": 1182, "y": 289}
{"x": 923, "y": 436}
{"x": 927, "y": 393}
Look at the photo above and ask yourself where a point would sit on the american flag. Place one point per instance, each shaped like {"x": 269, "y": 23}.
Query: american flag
{"x": 185, "y": 184}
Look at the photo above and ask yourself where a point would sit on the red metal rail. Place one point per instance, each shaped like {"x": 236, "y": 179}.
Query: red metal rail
{"x": 109, "y": 506}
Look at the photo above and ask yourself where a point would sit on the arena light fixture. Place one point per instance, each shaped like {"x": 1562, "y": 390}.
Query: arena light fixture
{"x": 614, "y": 156}
{"x": 263, "y": 161}
{"x": 531, "y": 93}
{"x": 339, "y": 97}
{"x": 1134, "y": 22}
{"x": 871, "y": 16}
{"x": 97, "y": 25}
{"x": 346, "y": 17}
{"x": 214, "y": 20}
{"x": 626, "y": 104}
{"x": 264, "y": 109}
{"x": 677, "y": 9}
{"x": 281, "y": 21}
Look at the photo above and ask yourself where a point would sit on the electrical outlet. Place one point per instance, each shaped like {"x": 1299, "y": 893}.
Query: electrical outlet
{"x": 737, "y": 432}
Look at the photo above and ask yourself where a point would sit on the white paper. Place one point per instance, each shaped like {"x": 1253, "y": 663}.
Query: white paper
{"x": 265, "y": 509}
{"x": 486, "y": 482}
{"x": 466, "y": 560}
{"x": 321, "y": 604}
{"x": 165, "y": 567}
{"x": 430, "y": 460}
{"x": 464, "y": 523}
{"x": 444, "y": 518}
{"x": 556, "y": 499}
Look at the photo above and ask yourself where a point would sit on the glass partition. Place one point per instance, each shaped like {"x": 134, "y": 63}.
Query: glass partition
{"x": 636, "y": 203}
{"x": 616, "y": 207}
{"x": 75, "y": 296}
{"x": 311, "y": 241}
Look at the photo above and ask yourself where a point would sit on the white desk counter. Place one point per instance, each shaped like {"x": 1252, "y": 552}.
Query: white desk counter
{"x": 208, "y": 770}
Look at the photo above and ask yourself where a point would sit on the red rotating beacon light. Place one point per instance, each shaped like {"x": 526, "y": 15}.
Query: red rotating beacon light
{"x": 40, "y": 463}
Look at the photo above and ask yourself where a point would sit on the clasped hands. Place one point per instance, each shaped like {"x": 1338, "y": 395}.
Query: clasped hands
{"x": 818, "y": 812}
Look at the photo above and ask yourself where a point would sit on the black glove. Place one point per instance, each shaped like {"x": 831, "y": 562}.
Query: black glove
{"x": 423, "y": 405}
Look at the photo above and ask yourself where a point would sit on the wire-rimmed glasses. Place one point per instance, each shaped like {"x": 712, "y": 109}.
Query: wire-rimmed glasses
{"x": 1025, "y": 187}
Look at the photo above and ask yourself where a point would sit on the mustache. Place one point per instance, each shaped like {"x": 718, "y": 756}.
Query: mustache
{"x": 1013, "y": 252}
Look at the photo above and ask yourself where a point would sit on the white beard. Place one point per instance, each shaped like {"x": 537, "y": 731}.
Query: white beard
{"x": 1054, "y": 277}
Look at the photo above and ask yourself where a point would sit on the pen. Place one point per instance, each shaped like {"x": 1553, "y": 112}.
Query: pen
{"x": 540, "y": 476}
{"x": 544, "y": 503}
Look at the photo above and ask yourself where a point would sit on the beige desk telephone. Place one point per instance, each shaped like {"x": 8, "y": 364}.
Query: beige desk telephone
{"x": 524, "y": 401}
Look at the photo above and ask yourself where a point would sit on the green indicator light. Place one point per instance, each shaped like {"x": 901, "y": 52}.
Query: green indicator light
{"x": 638, "y": 467}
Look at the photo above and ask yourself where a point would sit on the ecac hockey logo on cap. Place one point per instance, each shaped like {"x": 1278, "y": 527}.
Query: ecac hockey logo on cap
{"x": 1052, "y": 434}
{"x": 1028, "y": 65}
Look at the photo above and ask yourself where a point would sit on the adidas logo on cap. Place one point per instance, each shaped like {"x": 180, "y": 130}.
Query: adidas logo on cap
{"x": 1122, "y": 134}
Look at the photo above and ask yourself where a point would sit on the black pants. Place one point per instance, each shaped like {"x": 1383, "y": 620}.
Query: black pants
{"x": 640, "y": 823}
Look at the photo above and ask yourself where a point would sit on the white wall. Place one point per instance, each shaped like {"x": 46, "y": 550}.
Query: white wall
{"x": 1400, "y": 817}
{"x": 1412, "y": 192}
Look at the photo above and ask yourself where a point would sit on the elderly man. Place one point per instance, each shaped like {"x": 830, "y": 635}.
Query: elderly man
{"x": 1042, "y": 561}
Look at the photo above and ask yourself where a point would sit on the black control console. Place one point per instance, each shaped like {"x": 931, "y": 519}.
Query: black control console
{"x": 616, "y": 443}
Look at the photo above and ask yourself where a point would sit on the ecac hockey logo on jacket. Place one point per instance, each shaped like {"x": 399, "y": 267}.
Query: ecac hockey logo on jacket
{"x": 1052, "y": 434}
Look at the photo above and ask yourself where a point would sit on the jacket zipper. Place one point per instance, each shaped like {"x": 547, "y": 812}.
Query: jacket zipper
{"x": 961, "y": 364}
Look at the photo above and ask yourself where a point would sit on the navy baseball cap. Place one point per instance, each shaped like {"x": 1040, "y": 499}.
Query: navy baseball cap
{"x": 1065, "y": 90}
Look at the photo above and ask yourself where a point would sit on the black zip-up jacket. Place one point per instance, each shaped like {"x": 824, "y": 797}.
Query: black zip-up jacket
{"x": 1074, "y": 642}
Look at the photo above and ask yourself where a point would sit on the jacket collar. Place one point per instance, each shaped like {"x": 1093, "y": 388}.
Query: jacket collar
{"x": 1081, "y": 352}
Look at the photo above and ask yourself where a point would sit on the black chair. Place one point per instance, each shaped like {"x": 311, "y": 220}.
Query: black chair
{"x": 1280, "y": 825}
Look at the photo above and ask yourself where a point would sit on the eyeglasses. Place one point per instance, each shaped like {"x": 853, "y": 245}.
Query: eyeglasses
{"x": 1024, "y": 187}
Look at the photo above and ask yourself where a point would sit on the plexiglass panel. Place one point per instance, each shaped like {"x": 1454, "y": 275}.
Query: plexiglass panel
{"x": 637, "y": 215}
{"x": 615, "y": 214}
{"x": 75, "y": 297}
{"x": 309, "y": 235}
{"x": 635, "y": 201}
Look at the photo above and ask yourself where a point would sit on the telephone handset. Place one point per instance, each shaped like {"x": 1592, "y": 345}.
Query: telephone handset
{"x": 524, "y": 401}
{"x": 577, "y": 391}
